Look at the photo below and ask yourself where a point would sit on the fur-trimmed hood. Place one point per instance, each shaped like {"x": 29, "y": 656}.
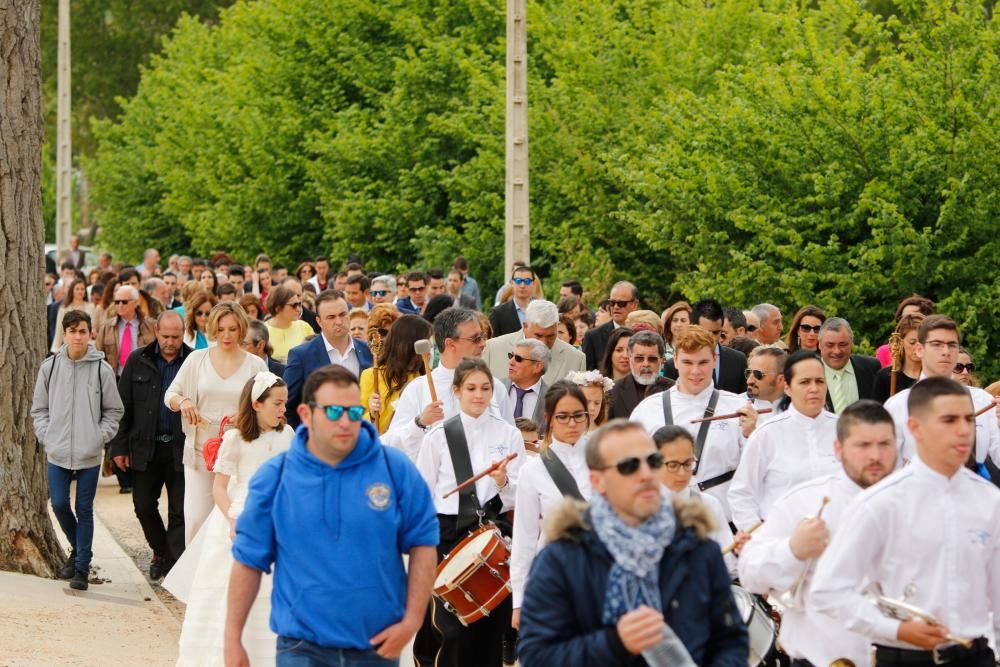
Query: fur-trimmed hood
{"x": 570, "y": 517}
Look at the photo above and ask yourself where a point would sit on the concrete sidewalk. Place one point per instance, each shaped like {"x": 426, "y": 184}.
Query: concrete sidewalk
{"x": 121, "y": 622}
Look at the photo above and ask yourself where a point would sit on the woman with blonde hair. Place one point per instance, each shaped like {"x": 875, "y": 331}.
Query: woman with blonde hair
{"x": 644, "y": 320}
{"x": 675, "y": 319}
{"x": 198, "y": 307}
{"x": 286, "y": 328}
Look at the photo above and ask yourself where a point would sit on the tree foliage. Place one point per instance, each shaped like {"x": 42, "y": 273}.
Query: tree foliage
{"x": 800, "y": 152}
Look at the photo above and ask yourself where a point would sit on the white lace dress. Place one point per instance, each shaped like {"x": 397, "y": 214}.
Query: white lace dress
{"x": 200, "y": 578}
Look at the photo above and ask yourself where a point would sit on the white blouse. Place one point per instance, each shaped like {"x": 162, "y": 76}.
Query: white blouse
{"x": 537, "y": 494}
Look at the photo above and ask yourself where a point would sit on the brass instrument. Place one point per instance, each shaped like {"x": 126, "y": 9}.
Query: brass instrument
{"x": 904, "y": 611}
{"x": 792, "y": 598}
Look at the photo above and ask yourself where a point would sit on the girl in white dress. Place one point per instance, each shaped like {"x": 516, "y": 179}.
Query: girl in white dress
{"x": 201, "y": 576}
{"x": 567, "y": 422}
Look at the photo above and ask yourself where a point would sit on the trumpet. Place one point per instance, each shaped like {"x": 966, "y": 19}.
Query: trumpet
{"x": 904, "y": 611}
{"x": 792, "y": 598}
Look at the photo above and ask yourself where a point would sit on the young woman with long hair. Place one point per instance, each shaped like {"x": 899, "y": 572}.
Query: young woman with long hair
{"x": 397, "y": 364}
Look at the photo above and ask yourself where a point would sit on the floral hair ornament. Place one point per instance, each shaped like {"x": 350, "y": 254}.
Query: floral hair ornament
{"x": 587, "y": 378}
{"x": 261, "y": 383}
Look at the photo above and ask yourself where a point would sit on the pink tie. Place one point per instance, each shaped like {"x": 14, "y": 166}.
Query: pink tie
{"x": 126, "y": 346}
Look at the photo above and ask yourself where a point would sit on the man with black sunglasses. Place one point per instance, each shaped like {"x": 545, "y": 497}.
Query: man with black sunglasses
{"x": 334, "y": 516}
{"x": 765, "y": 380}
{"x": 624, "y": 298}
{"x": 615, "y": 572}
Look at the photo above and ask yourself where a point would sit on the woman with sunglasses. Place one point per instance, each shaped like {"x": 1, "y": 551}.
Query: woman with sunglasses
{"x": 615, "y": 364}
{"x": 397, "y": 364}
{"x": 903, "y": 350}
{"x": 676, "y": 447}
{"x": 793, "y": 447}
{"x": 804, "y": 332}
{"x": 487, "y": 439}
{"x": 206, "y": 390}
{"x": 286, "y": 327}
{"x": 200, "y": 577}
{"x": 559, "y": 471}
{"x": 197, "y": 310}
{"x": 964, "y": 368}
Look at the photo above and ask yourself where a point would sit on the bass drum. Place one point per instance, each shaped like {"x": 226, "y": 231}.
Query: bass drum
{"x": 760, "y": 626}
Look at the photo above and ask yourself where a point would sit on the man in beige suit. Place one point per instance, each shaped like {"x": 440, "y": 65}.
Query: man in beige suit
{"x": 540, "y": 322}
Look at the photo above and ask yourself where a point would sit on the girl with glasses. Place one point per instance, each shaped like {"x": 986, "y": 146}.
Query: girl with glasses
{"x": 200, "y": 577}
{"x": 558, "y": 472}
{"x": 286, "y": 327}
{"x": 804, "y": 332}
{"x": 197, "y": 310}
{"x": 484, "y": 439}
{"x": 792, "y": 447}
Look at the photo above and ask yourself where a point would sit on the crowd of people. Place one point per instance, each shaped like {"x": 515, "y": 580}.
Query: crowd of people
{"x": 570, "y": 483}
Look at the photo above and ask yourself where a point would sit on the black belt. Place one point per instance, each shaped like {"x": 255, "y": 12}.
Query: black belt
{"x": 165, "y": 438}
{"x": 715, "y": 481}
{"x": 954, "y": 653}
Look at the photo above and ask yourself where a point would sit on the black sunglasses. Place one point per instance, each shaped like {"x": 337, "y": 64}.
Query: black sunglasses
{"x": 122, "y": 302}
{"x": 751, "y": 328}
{"x": 619, "y": 304}
{"x": 756, "y": 373}
{"x": 961, "y": 368}
{"x": 630, "y": 465}
{"x": 519, "y": 359}
{"x": 808, "y": 328}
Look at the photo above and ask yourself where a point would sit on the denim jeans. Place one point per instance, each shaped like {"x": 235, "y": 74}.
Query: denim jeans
{"x": 300, "y": 653}
{"x": 79, "y": 527}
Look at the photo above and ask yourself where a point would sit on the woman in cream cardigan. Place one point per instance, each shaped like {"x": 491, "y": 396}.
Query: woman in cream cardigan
{"x": 206, "y": 389}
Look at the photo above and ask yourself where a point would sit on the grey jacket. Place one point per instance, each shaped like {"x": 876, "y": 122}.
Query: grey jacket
{"x": 76, "y": 408}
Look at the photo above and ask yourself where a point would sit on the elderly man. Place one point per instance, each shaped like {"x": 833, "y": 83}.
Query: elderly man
{"x": 645, "y": 358}
{"x": 158, "y": 289}
{"x": 615, "y": 572}
{"x": 623, "y": 300}
{"x": 127, "y": 331}
{"x": 258, "y": 342}
{"x": 150, "y": 265}
{"x": 383, "y": 289}
{"x": 541, "y": 322}
{"x": 525, "y": 383}
{"x": 510, "y": 317}
{"x": 849, "y": 377}
{"x": 770, "y": 323}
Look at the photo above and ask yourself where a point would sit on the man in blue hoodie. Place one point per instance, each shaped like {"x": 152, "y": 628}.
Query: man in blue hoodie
{"x": 334, "y": 516}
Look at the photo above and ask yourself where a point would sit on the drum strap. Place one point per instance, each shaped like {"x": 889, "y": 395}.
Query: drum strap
{"x": 699, "y": 443}
{"x": 468, "y": 503}
{"x": 560, "y": 475}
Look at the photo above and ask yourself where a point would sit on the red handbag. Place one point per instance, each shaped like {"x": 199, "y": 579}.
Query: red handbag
{"x": 210, "y": 450}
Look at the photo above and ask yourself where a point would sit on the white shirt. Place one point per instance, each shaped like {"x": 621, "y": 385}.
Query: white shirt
{"x": 987, "y": 433}
{"x": 349, "y": 359}
{"x": 490, "y": 439}
{"x": 724, "y": 442}
{"x": 537, "y": 494}
{"x": 404, "y": 434}
{"x": 529, "y": 404}
{"x": 762, "y": 404}
{"x": 767, "y": 565}
{"x": 786, "y": 450}
{"x": 932, "y": 540}
{"x": 721, "y": 535}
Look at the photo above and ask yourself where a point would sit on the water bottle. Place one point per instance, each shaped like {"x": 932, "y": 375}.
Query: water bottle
{"x": 670, "y": 652}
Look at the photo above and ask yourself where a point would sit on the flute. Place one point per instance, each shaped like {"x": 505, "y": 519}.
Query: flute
{"x": 731, "y": 415}
{"x": 475, "y": 478}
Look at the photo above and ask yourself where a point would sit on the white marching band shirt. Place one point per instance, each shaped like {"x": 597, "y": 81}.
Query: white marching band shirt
{"x": 926, "y": 539}
{"x": 768, "y": 566}
{"x": 724, "y": 442}
{"x": 490, "y": 439}
{"x": 786, "y": 450}
{"x": 537, "y": 494}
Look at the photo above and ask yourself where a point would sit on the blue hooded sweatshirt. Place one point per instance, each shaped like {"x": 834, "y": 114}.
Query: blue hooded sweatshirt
{"x": 336, "y": 536}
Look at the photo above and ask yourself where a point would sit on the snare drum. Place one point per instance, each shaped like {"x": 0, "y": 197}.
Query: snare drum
{"x": 760, "y": 627}
{"x": 474, "y": 578}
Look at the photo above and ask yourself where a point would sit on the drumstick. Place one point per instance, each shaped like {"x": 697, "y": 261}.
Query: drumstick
{"x": 423, "y": 348}
{"x": 731, "y": 415}
{"x": 819, "y": 514}
{"x": 732, "y": 545}
{"x": 983, "y": 410}
{"x": 475, "y": 478}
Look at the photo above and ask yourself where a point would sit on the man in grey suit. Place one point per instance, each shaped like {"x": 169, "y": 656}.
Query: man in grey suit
{"x": 540, "y": 323}
{"x": 524, "y": 381}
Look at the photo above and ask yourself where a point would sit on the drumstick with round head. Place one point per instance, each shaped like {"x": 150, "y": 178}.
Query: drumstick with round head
{"x": 732, "y": 545}
{"x": 475, "y": 478}
{"x": 986, "y": 408}
{"x": 423, "y": 348}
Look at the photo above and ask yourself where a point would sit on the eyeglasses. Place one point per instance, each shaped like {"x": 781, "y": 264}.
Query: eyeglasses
{"x": 619, "y": 304}
{"x": 756, "y": 373}
{"x": 938, "y": 344}
{"x": 675, "y": 466}
{"x": 519, "y": 359}
{"x": 646, "y": 359}
{"x": 416, "y": 289}
{"x": 296, "y": 305}
{"x": 565, "y": 417}
{"x": 202, "y": 313}
{"x": 475, "y": 340}
{"x": 751, "y": 328}
{"x": 630, "y": 465}
{"x": 122, "y": 302}
{"x": 808, "y": 328}
{"x": 719, "y": 334}
{"x": 335, "y": 412}
{"x": 382, "y": 332}
{"x": 380, "y": 293}
{"x": 522, "y": 281}
{"x": 962, "y": 368}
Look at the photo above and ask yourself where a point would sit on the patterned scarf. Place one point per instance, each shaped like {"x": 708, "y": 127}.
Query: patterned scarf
{"x": 635, "y": 576}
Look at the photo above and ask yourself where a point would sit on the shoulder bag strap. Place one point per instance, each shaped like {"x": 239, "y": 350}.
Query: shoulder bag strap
{"x": 668, "y": 413}
{"x": 699, "y": 443}
{"x": 560, "y": 475}
{"x": 458, "y": 448}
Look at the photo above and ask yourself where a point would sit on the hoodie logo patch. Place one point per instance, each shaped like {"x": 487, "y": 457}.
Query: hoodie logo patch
{"x": 378, "y": 496}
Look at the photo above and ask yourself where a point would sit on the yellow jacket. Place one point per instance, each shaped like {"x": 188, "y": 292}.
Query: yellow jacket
{"x": 388, "y": 401}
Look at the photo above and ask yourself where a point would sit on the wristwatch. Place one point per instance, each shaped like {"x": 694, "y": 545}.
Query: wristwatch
{"x": 416, "y": 420}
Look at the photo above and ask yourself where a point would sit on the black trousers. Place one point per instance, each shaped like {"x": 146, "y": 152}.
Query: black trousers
{"x": 981, "y": 655}
{"x": 165, "y": 541}
{"x": 443, "y": 641}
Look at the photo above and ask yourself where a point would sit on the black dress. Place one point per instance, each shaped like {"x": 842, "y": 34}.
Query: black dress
{"x": 880, "y": 388}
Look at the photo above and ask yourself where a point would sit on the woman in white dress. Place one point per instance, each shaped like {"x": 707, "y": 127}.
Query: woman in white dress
{"x": 201, "y": 576}
{"x": 567, "y": 422}
{"x": 206, "y": 389}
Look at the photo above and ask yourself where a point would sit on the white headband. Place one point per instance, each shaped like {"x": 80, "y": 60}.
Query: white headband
{"x": 261, "y": 383}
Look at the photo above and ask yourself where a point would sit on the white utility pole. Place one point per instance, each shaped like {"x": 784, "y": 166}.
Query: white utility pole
{"x": 64, "y": 142}
{"x": 517, "y": 242}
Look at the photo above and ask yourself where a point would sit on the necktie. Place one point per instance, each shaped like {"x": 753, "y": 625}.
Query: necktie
{"x": 837, "y": 392}
{"x": 519, "y": 400}
{"x": 125, "y": 348}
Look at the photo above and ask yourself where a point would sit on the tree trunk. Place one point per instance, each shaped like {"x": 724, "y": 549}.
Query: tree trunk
{"x": 27, "y": 541}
